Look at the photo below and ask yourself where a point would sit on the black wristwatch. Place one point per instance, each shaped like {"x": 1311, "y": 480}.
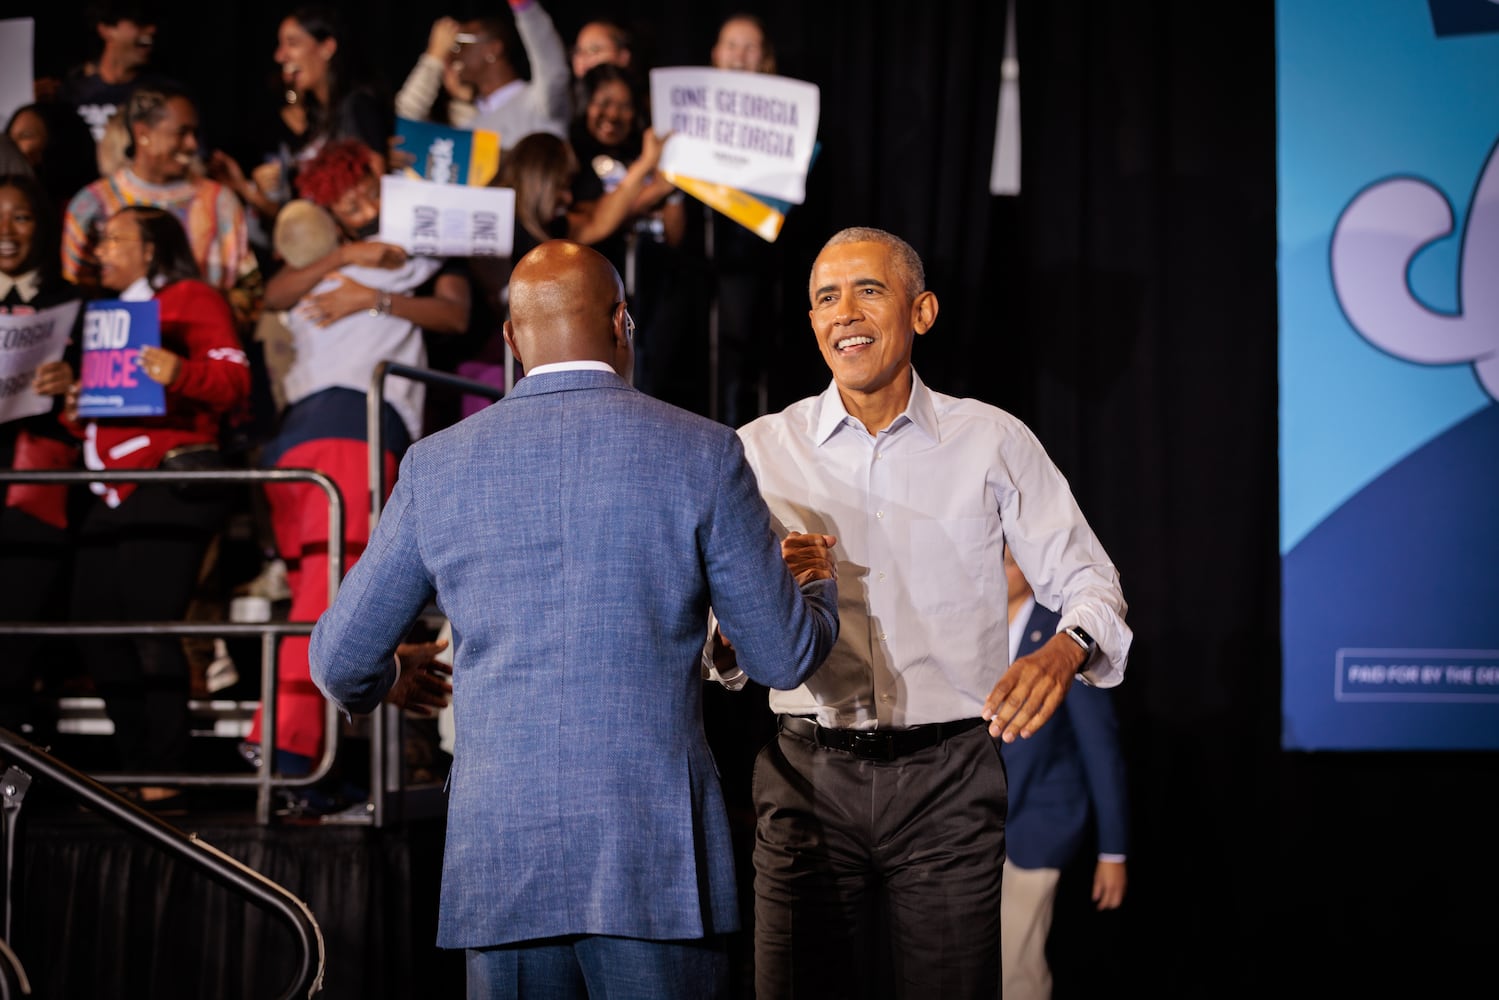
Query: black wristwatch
{"x": 1083, "y": 639}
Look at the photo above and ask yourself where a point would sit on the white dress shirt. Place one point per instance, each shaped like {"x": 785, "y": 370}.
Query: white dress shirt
{"x": 922, "y": 511}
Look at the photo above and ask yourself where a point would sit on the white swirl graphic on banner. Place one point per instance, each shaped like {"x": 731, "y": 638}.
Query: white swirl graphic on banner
{"x": 1378, "y": 236}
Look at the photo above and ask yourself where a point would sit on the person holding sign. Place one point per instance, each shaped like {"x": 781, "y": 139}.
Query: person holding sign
{"x": 38, "y": 350}
{"x": 606, "y": 136}
{"x": 140, "y": 547}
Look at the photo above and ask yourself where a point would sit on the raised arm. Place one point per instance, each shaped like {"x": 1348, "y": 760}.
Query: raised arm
{"x": 551, "y": 73}
{"x": 599, "y": 219}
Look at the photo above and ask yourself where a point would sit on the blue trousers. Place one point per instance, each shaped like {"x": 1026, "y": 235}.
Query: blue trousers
{"x": 591, "y": 967}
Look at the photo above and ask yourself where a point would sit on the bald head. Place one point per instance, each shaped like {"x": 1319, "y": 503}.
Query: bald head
{"x": 567, "y": 304}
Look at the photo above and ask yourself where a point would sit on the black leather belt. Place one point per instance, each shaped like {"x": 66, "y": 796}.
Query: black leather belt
{"x": 876, "y": 744}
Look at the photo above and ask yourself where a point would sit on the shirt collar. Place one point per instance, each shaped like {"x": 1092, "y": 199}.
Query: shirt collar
{"x": 498, "y": 97}
{"x": 26, "y": 286}
{"x": 139, "y": 290}
{"x": 920, "y": 411}
{"x": 572, "y": 366}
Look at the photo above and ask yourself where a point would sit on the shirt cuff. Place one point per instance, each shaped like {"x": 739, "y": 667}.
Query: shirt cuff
{"x": 734, "y": 679}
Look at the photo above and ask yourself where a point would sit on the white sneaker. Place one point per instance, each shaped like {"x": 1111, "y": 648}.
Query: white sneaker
{"x": 221, "y": 672}
{"x": 270, "y": 583}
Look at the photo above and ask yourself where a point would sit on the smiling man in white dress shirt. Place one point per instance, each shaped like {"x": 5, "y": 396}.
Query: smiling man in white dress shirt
{"x": 880, "y": 807}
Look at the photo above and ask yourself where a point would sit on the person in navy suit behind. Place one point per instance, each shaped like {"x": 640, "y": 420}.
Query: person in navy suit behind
{"x": 1069, "y": 770}
{"x": 574, "y": 534}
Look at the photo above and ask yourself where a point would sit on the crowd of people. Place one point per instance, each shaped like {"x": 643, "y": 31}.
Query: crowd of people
{"x": 849, "y": 553}
{"x": 286, "y": 238}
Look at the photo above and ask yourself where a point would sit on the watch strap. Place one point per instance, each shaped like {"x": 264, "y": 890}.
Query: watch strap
{"x": 1082, "y": 638}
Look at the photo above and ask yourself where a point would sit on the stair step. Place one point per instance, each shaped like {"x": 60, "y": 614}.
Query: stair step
{"x": 85, "y": 716}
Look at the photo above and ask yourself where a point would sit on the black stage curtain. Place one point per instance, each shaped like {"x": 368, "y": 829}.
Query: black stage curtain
{"x": 1125, "y": 306}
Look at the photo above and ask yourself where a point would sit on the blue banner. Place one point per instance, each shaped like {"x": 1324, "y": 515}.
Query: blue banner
{"x": 1389, "y": 373}
{"x": 446, "y": 155}
{"x": 112, "y": 383}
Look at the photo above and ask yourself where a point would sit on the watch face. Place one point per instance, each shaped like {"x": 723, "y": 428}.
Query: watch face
{"x": 1082, "y": 637}
{"x": 609, "y": 170}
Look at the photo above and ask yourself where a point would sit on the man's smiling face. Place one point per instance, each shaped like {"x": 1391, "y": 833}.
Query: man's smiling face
{"x": 866, "y": 317}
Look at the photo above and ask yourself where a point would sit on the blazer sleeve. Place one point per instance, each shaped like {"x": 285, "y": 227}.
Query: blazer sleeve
{"x": 1097, "y": 730}
{"x": 781, "y": 633}
{"x": 354, "y": 642}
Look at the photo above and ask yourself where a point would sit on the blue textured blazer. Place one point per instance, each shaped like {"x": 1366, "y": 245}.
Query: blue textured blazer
{"x": 574, "y": 534}
{"x": 1072, "y": 766}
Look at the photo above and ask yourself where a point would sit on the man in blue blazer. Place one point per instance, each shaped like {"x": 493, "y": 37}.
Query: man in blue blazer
{"x": 575, "y": 534}
{"x": 1070, "y": 768}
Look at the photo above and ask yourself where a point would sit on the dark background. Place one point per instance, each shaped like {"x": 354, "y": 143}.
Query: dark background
{"x": 1125, "y": 307}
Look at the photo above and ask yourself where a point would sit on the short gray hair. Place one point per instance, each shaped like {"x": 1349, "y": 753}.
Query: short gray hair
{"x": 907, "y": 260}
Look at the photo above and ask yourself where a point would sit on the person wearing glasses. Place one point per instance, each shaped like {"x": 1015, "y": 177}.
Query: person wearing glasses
{"x": 140, "y": 547}
{"x": 588, "y": 848}
{"x": 515, "y": 63}
{"x": 163, "y": 168}
{"x": 600, "y": 42}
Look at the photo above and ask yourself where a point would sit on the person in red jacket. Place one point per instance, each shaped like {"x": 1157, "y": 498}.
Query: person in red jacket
{"x": 140, "y": 547}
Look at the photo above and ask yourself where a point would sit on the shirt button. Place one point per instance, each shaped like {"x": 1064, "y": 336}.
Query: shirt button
{"x": 882, "y": 576}
{"x": 887, "y": 697}
{"x": 879, "y": 514}
{"x": 882, "y": 637}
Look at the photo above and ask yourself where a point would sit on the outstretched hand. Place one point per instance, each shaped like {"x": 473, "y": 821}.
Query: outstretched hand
{"x": 424, "y": 686}
{"x": 1029, "y": 692}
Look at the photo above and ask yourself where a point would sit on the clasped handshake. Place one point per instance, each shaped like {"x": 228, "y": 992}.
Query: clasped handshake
{"x": 810, "y": 557}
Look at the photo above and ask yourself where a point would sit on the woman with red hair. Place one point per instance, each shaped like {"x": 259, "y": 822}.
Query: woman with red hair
{"x": 347, "y": 309}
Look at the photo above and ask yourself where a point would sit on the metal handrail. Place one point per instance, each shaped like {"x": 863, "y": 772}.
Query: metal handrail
{"x": 375, "y": 406}
{"x": 265, "y": 779}
{"x": 222, "y": 868}
{"x": 385, "y": 737}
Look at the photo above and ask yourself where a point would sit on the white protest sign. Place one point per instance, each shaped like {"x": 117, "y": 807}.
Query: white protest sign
{"x": 27, "y": 342}
{"x": 16, "y": 87}
{"x": 428, "y": 219}
{"x": 751, "y": 131}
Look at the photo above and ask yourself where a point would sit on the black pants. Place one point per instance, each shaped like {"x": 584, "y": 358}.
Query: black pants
{"x": 878, "y": 878}
{"x": 139, "y": 562}
{"x": 34, "y": 561}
